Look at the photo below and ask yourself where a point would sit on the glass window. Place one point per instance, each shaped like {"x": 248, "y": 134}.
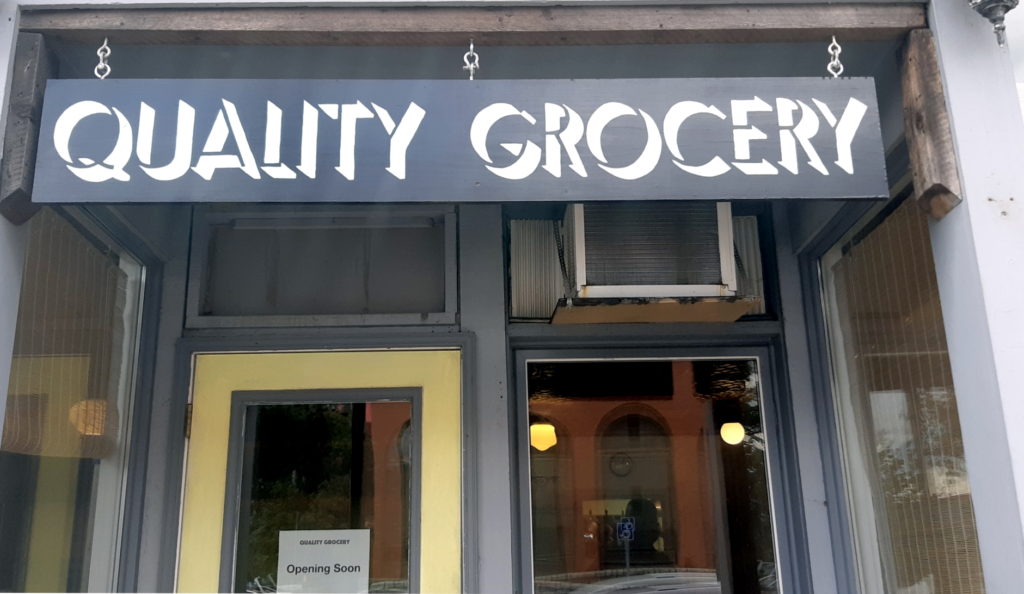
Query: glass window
{"x": 649, "y": 476}
{"x": 301, "y": 265}
{"x": 65, "y": 434}
{"x": 910, "y": 501}
{"x": 311, "y": 271}
{"x": 325, "y": 501}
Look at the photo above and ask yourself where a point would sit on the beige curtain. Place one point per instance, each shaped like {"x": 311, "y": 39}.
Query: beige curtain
{"x": 62, "y": 392}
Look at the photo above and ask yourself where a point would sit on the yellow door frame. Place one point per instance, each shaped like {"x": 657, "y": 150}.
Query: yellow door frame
{"x": 215, "y": 376}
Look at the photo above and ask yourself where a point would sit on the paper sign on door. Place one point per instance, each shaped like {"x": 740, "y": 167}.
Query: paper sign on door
{"x": 323, "y": 561}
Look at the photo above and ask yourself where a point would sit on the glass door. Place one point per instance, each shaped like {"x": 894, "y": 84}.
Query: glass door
{"x": 304, "y": 473}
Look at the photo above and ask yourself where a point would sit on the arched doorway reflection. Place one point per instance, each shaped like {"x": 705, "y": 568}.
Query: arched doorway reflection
{"x": 635, "y": 470}
{"x": 635, "y": 485}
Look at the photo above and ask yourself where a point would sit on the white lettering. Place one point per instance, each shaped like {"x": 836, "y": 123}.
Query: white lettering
{"x": 648, "y": 158}
{"x": 227, "y": 143}
{"x": 308, "y": 140}
{"x": 112, "y": 167}
{"x": 743, "y": 135}
{"x": 789, "y": 135}
{"x": 846, "y": 129}
{"x": 529, "y": 154}
{"x": 401, "y": 135}
{"x": 183, "y": 133}
{"x": 679, "y": 113}
{"x": 272, "y": 165}
{"x": 556, "y": 139}
{"x": 351, "y": 113}
{"x": 212, "y": 158}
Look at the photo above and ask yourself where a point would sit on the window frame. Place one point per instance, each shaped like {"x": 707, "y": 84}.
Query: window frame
{"x": 850, "y": 218}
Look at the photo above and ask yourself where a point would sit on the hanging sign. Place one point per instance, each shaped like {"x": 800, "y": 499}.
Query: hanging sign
{"x": 459, "y": 141}
{"x": 323, "y": 561}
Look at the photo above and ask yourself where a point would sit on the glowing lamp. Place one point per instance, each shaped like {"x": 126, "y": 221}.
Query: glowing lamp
{"x": 90, "y": 416}
{"x": 542, "y": 436}
{"x": 732, "y": 433}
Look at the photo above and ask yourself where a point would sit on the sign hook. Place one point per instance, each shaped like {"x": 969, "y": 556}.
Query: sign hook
{"x": 102, "y": 70}
{"x": 835, "y": 67}
{"x": 471, "y": 59}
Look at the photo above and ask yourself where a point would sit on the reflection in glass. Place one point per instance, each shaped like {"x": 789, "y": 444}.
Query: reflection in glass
{"x": 64, "y": 450}
{"x": 910, "y": 501}
{"x": 638, "y": 491}
{"x": 325, "y": 466}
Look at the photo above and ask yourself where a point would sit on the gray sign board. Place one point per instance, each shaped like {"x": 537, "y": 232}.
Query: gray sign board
{"x": 459, "y": 141}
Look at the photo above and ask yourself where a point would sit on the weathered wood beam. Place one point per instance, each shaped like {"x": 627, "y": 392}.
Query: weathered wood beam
{"x": 555, "y": 25}
{"x": 31, "y": 69}
{"x": 926, "y": 123}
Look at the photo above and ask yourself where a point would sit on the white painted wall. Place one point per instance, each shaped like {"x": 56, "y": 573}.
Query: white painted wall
{"x": 12, "y": 256}
{"x": 979, "y": 258}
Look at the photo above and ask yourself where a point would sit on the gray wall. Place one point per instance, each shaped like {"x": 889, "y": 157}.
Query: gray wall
{"x": 802, "y": 394}
{"x": 482, "y": 306}
{"x": 165, "y": 229}
{"x": 807, "y": 219}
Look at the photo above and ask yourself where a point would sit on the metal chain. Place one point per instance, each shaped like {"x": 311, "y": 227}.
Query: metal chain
{"x": 835, "y": 67}
{"x": 471, "y": 59}
{"x": 103, "y": 69}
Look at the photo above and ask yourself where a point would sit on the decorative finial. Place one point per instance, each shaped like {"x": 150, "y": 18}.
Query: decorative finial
{"x": 995, "y": 11}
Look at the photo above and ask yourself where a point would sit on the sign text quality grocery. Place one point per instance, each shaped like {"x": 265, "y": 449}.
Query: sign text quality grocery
{"x": 443, "y": 141}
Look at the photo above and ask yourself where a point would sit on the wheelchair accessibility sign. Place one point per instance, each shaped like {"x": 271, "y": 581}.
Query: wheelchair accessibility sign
{"x": 626, "y": 529}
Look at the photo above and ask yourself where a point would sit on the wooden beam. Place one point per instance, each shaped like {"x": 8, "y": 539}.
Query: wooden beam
{"x": 533, "y": 25}
{"x": 926, "y": 123}
{"x": 31, "y": 69}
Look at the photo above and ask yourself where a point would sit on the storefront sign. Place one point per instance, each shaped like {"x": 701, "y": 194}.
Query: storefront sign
{"x": 456, "y": 140}
{"x": 323, "y": 561}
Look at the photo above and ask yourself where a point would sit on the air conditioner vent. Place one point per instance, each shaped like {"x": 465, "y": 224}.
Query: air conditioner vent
{"x": 645, "y": 250}
{"x": 652, "y": 244}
